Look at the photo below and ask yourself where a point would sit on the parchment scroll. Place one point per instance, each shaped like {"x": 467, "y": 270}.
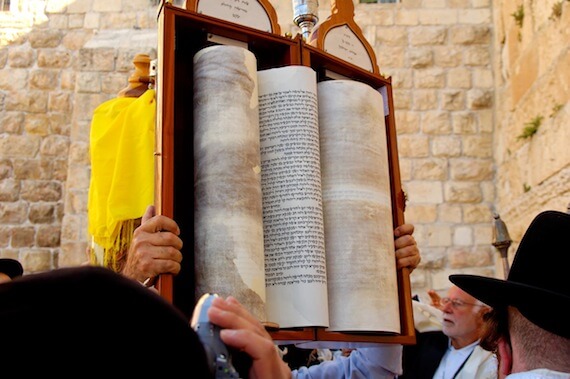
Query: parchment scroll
{"x": 361, "y": 266}
{"x": 228, "y": 229}
{"x": 322, "y": 231}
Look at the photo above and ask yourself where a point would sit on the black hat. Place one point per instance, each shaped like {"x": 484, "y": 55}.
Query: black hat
{"x": 90, "y": 319}
{"x": 537, "y": 284}
{"x": 11, "y": 267}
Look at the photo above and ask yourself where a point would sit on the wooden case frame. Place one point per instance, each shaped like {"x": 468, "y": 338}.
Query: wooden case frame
{"x": 181, "y": 34}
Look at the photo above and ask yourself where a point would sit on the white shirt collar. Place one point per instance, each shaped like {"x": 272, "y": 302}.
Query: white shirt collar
{"x": 453, "y": 360}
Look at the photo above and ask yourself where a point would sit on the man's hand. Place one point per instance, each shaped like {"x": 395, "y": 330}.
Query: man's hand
{"x": 407, "y": 252}
{"x": 435, "y": 299}
{"x": 243, "y": 332}
{"x": 155, "y": 248}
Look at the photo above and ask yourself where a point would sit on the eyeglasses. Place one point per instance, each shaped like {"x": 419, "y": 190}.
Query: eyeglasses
{"x": 456, "y": 303}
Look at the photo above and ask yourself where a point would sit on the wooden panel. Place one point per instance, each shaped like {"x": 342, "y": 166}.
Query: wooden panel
{"x": 353, "y": 41}
{"x": 265, "y": 5}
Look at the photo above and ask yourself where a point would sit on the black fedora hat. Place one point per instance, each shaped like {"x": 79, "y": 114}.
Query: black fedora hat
{"x": 537, "y": 284}
{"x": 11, "y": 267}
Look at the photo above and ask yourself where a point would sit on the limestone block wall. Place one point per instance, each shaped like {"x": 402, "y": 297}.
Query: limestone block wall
{"x": 58, "y": 61}
{"x": 462, "y": 94}
{"x": 532, "y": 83}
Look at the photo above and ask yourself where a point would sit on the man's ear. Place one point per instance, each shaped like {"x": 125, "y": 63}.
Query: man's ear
{"x": 484, "y": 313}
{"x": 505, "y": 357}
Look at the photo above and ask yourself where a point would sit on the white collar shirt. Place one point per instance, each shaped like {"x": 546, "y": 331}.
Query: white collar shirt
{"x": 453, "y": 360}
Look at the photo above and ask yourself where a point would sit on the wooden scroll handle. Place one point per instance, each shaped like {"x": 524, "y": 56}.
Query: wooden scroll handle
{"x": 140, "y": 79}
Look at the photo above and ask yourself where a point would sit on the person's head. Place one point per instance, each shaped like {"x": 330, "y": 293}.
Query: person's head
{"x": 9, "y": 269}
{"x": 462, "y": 317}
{"x": 84, "y": 308}
{"x": 508, "y": 332}
{"x": 529, "y": 326}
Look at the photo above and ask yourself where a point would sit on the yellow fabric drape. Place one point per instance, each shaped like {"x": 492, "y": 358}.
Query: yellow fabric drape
{"x": 122, "y": 173}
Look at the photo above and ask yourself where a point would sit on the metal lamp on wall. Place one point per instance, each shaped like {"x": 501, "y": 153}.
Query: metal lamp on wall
{"x": 502, "y": 241}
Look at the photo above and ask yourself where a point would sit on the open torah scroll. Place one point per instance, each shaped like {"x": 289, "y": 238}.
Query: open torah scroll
{"x": 292, "y": 208}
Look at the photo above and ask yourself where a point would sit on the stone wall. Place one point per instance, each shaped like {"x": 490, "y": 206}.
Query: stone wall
{"x": 532, "y": 83}
{"x": 464, "y": 86}
{"x": 58, "y": 61}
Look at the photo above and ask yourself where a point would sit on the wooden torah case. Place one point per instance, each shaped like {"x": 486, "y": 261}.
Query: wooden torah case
{"x": 182, "y": 34}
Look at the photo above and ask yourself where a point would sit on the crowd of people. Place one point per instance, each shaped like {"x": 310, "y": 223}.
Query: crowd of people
{"x": 489, "y": 328}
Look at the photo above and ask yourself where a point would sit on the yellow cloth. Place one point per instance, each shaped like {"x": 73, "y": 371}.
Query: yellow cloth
{"x": 122, "y": 172}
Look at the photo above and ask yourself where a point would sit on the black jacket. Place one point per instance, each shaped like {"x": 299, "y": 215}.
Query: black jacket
{"x": 420, "y": 361}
